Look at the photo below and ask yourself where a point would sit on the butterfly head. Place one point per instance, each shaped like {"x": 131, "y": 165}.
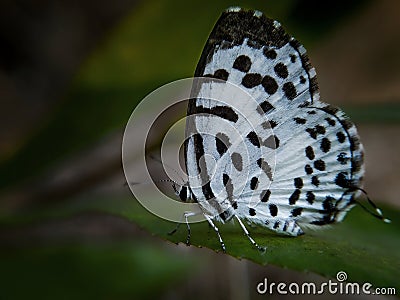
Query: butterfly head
{"x": 184, "y": 193}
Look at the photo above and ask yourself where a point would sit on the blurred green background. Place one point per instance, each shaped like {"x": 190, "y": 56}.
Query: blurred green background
{"x": 71, "y": 72}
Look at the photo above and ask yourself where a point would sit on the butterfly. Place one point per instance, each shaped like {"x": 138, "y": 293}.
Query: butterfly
{"x": 285, "y": 160}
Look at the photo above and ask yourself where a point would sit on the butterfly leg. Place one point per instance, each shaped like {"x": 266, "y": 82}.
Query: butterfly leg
{"x": 262, "y": 249}
{"x": 217, "y": 231}
{"x": 176, "y": 228}
{"x": 186, "y": 215}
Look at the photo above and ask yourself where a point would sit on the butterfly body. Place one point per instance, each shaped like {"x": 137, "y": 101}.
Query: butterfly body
{"x": 283, "y": 160}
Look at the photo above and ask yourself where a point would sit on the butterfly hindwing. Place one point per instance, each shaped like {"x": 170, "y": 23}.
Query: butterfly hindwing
{"x": 314, "y": 171}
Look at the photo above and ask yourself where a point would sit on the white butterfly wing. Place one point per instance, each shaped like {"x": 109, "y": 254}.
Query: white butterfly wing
{"x": 290, "y": 160}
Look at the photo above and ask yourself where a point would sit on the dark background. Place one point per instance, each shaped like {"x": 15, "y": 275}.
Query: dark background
{"x": 71, "y": 72}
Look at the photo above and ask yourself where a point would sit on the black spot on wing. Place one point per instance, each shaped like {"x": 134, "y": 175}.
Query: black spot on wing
{"x": 265, "y": 107}
{"x": 224, "y": 112}
{"x": 264, "y": 196}
{"x": 242, "y": 63}
{"x": 253, "y": 138}
{"x": 294, "y": 197}
{"x": 271, "y": 142}
{"x": 269, "y": 53}
{"x": 320, "y": 129}
{"x": 285, "y": 226}
{"x": 298, "y": 183}
{"x": 221, "y": 74}
{"x": 319, "y": 165}
{"x": 315, "y": 181}
{"x": 276, "y": 225}
{"x": 252, "y": 212}
{"x": 251, "y": 80}
{"x": 330, "y": 121}
{"x": 237, "y": 161}
{"x": 299, "y": 120}
{"x": 273, "y": 209}
{"x": 340, "y": 137}
{"x": 221, "y": 147}
{"x": 312, "y": 132}
{"x": 296, "y": 211}
{"x": 269, "y": 84}
{"x": 289, "y": 90}
{"x": 310, "y": 197}
{"x": 328, "y": 212}
{"x": 254, "y": 183}
{"x": 308, "y": 169}
{"x": 342, "y": 180}
{"x": 222, "y": 143}
{"x": 281, "y": 70}
{"x": 327, "y": 204}
{"x": 228, "y": 187}
{"x": 325, "y": 145}
{"x": 310, "y": 153}
{"x": 263, "y": 164}
{"x": 342, "y": 158}
{"x": 225, "y": 178}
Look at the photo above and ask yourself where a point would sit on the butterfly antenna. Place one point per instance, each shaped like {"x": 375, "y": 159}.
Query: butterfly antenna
{"x": 174, "y": 183}
{"x": 169, "y": 167}
{"x": 378, "y": 211}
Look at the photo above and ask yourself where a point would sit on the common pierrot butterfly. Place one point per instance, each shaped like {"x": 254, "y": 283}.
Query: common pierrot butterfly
{"x": 283, "y": 161}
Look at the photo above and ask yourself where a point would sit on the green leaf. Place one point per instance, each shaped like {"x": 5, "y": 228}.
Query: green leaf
{"x": 362, "y": 246}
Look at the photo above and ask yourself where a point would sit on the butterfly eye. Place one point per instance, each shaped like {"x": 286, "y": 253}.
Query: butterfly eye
{"x": 183, "y": 194}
